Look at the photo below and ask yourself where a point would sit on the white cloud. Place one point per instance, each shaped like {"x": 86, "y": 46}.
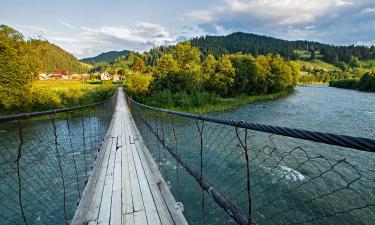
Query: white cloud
{"x": 282, "y": 12}
{"x": 199, "y": 15}
{"x": 88, "y": 41}
{"x": 368, "y": 10}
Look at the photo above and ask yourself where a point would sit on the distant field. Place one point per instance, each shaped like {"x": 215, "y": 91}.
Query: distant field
{"x": 318, "y": 64}
{"x": 63, "y": 84}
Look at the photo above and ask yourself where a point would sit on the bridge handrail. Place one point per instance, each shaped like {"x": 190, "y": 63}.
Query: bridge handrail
{"x": 359, "y": 143}
{"x": 23, "y": 116}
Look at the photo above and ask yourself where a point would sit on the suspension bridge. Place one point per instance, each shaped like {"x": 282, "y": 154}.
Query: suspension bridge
{"x": 121, "y": 162}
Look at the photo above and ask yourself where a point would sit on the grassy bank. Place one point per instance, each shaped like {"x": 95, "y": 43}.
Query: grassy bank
{"x": 209, "y": 104}
{"x": 46, "y": 95}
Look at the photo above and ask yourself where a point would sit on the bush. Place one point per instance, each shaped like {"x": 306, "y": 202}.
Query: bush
{"x": 138, "y": 83}
{"x": 348, "y": 84}
{"x": 161, "y": 99}
{"x": 367, "y": 83}
{"x": 203, "y": 98}
{"x": 44, "y": 99}
{"x": 182, "y": 99}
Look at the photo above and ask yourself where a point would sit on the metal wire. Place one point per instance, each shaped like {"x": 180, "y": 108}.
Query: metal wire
{"x": 50, "y": 165}
{"x": 260, "y": 174}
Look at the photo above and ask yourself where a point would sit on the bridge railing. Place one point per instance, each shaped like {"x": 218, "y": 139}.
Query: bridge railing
{"x": 227, "y": 171}
{"x": 46, "y": 159}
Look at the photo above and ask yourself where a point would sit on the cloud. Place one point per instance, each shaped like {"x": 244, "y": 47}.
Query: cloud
{"x": 332, "y": 21}
{"x": 89, "y": 41}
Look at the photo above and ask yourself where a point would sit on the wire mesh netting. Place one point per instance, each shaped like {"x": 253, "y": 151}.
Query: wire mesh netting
{"x": 45, "y": 162}
{"x": 224, "y": 174}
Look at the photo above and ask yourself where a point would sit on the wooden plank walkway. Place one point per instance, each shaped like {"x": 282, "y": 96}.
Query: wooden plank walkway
{"x": 125, "y": 185}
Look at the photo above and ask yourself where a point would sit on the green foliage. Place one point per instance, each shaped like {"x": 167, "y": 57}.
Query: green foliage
{"x": 17, "y": 69}
{"x": 139, "y": 65}
{"x": 263, "y": 45}
{"x": 165, "y": 65}
{"x": 138, "y": 83}
{"x": 366, "y": 83}
{"x": 221, "y": 79}
{"x": 183, "y": 100}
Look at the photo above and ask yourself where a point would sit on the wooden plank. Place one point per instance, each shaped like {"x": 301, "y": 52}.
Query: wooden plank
{"x": 149, "y": 204}
{"x": 116, "y": 194}
{"x": 128, "y": 219}
{"x": 140, "y": 218}
{"x": 87, "y": 195}
{"x": 127, "y": 200}
{"x": 116, "y": 208}
{"x": 165, "y": 217}
{"x": 106, "y": 203}
{"x": 94, "y": 208}
{"x": 134, "y": 184}
{"x": 169, "y": 200}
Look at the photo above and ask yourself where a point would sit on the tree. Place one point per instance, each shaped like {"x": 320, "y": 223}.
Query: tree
{"x": 209, "y": 67}
{"x": 139, "y": 65}
{"x": 185, "y": 55}
{"x": 165, "y": 65}
{"x": 17, "y": 69}
{"x": 222, "y": 80}
{"x": 138, "y": 83}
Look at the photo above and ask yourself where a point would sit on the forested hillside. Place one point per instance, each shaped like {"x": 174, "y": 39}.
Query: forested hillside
{"x": 260, "y": 45}
{"x": 53, "y": 58}
{"x": 108, "y": 57}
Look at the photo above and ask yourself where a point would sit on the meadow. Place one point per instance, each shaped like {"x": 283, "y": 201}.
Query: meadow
{"x": 64, "y": 84}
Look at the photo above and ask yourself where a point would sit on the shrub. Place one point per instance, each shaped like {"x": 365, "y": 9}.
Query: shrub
{"x": 138, "y": 83}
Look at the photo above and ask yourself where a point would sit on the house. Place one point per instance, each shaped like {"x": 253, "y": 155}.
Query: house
{"x": 105, "y": 76}
{"x": 43, "y": 76}
{"x": 60, "y": 75}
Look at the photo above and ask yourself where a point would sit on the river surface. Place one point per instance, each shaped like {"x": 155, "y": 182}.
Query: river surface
{"x": 317, "y": 108}
{"x": 292, "y": 181}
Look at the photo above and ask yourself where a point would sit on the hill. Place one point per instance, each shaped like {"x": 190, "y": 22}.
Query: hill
{"x": 260, "y": 45}
{"x": 105, "y": 57}
{"x": 53, "y": 58}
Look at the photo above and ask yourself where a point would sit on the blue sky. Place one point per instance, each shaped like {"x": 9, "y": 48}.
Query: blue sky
{"x": 89, "y": 27}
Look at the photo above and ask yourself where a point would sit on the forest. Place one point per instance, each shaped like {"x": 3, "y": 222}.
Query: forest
{"x": 260, "y": 45}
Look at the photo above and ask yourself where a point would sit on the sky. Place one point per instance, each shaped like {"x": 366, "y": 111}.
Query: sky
{"x": 89, "y": 27}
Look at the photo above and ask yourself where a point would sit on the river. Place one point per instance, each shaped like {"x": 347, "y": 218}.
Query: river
{"x": 292, "y": 181}
{"x": 317, "y": 108}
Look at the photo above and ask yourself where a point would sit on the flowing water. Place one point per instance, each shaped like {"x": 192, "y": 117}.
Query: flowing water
{"x": 292, "y": 181}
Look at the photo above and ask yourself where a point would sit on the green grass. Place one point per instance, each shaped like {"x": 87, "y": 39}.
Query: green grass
{"x": 317, "y": 64}
{"x": 226, "y": 104}
{"x": 63, "y": 84}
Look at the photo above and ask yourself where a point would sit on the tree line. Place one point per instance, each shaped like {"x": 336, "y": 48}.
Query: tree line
{"x": 185, "y": 73}
{"x": 260, "y": 45}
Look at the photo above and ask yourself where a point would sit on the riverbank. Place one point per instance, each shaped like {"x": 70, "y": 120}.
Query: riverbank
{"x": 59, "y": 95}
{"x": 366, "y": 83}
{"x": 226, "y": 104}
